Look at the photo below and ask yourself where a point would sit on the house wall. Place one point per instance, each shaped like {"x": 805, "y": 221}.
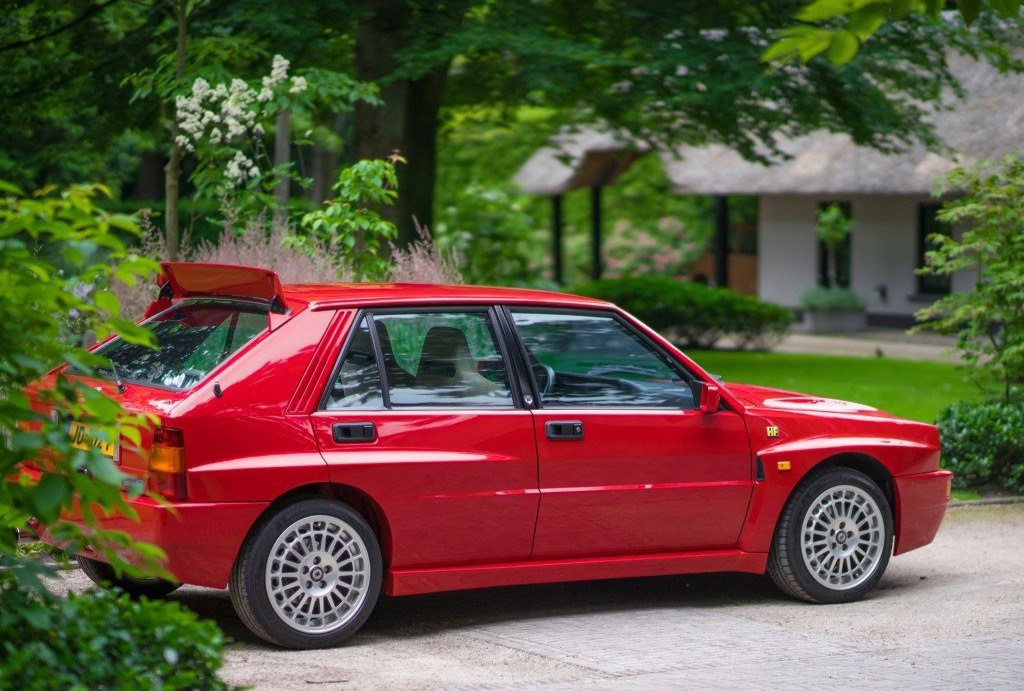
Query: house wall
{"x": 883, "y": 250}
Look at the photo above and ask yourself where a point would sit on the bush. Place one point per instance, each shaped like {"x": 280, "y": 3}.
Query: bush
{"x": 693, "y": 313}
{"x": 103, "y": 639}
{"x": 821, "y": 299}
{"x": 982, "y": 443}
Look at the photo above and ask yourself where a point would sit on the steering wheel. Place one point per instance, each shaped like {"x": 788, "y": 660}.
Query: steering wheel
{"x": 549, "y": 377}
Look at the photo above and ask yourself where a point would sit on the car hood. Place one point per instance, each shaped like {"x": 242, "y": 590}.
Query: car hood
{"x": 780, "y": 399}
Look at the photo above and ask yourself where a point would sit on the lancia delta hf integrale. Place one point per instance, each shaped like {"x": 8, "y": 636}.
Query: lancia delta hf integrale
{"x": 320, "y": 443}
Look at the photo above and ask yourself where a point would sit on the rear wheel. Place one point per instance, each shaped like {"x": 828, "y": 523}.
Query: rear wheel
{"x": 103, "y": 574}
{"x": 834, "y": 538}
{"x": 308, "y": 576}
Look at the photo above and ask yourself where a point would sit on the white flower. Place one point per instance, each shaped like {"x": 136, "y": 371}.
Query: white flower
{"x": 298, "y": 85}
{"x": 257, "y": 130}
{"x": 265, "y": 93}
{"x": 715, "y": 35}
{"x": 278, "y": 71}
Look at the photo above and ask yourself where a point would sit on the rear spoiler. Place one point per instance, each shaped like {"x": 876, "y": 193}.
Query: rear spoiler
{"x": 192, "y": 279}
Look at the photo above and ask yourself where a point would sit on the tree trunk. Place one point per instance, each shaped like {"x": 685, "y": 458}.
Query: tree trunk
{"x": 406, "y": 122}
{"x": 325, "y": 165}
{"x": 282, "y": 156}
{"x": 172, "y": 172}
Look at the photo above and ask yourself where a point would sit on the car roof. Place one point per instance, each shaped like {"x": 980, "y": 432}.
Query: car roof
{"x": 335, "y": 295}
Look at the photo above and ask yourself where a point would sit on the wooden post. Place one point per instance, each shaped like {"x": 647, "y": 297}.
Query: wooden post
{"x": 721, "y": 242}
{"x": 595, "y": 232}
{"x": 556, "y": 238}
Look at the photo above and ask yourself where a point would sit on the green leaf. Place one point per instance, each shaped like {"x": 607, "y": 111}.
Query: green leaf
{"x": 843, "y": 47}
{"x": 866, "y": 21}
{"x": 970, "y": 9}
{"x": 52, "y": 493}
{"x": 1007, "y": 8}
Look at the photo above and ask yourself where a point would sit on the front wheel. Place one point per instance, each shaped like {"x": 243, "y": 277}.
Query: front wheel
{"x": 308, "y": 576}
{"x": 103, "y": 574}
{"x": 833, "y": 540}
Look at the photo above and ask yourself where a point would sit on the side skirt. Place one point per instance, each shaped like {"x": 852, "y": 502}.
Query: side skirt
{"x": 417, "y": 581}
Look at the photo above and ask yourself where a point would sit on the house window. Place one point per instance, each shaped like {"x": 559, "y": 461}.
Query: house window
{"x": 927, "y": 225}
{"x": 842, "y": 254}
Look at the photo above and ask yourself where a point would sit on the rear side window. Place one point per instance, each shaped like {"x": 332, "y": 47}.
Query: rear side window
{"x": 448, "y": 359}
{"x": 358, "y": 382}
{"x": 192, "y": 339}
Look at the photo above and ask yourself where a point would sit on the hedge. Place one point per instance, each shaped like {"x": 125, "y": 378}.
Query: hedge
{"x": 983, "y": 443}
{"x": 694, "y": 314}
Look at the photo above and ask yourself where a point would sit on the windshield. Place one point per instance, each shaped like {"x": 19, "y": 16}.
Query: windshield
{"x": 193, "y": 337}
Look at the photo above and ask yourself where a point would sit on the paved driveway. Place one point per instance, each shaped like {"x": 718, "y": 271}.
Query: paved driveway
{"x": 948, "y": 615}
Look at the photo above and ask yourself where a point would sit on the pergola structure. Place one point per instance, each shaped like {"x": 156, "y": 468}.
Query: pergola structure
{"x": 594, "y": 159}
{"x": 577, "y": 160}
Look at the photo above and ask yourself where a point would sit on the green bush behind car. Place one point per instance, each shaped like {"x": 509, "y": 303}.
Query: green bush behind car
{"x": 695, "y": 315}
{"x": 983, "y": 443}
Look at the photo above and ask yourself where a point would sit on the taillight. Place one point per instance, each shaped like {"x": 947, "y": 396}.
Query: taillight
{"x": 167, "y": 464}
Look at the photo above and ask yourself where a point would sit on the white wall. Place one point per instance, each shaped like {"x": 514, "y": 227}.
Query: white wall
{"x": 883, "y": 250}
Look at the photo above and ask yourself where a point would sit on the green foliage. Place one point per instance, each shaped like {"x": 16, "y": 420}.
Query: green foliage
{"x": 693, "y": 313}
{"x": 58, "y": 252}
{"x": 835, "y": 299}
{"x": 492, "y": 230}
{"x": 838, "y": 28}
{"x": 988, "y": 322}
{"x": 982, "y": 443}
{"x": 350, "y": 222}
{"x": 103, "y": 639}
{"x": 833, "y": 226}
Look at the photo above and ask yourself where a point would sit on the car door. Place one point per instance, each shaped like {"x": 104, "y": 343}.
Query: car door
{"x": 628, "y": 464}
{"x": 421, "y": 416}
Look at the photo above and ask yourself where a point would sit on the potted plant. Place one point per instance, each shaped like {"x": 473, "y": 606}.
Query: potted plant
{"x": 832, "y": 308}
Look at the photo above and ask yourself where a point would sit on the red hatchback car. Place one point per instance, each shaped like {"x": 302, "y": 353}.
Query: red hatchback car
{"x": 320, "y": 443}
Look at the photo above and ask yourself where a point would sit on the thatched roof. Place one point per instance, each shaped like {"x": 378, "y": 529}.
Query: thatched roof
{"x": 577, "y": 159}
{"x": 988, "y": 123}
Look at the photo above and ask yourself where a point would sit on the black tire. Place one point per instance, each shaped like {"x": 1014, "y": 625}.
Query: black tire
{"x": 102, "y": 574}
{"x": 248, "y": 584}
{"x": 786, "y": 564}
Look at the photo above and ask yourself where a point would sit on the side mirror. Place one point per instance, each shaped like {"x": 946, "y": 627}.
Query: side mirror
{"x": 710, "y": 398}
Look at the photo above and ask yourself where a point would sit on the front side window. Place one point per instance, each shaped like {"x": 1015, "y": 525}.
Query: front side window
{"x": 596, "y": 361}
{"x": 192, "y": 338}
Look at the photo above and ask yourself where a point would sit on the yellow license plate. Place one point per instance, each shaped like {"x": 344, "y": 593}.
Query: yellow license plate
{"x": 84, "y": 438}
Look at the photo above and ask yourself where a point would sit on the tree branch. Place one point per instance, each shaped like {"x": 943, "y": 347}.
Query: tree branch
{"x": 85, "y": 16}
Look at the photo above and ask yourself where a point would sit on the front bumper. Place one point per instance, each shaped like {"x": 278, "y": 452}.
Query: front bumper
{"x": 921, "y": 502}
{"x": 201, "y": 540}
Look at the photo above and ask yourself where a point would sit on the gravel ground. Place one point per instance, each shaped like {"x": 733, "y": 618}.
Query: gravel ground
{"x": 950, "y": 614}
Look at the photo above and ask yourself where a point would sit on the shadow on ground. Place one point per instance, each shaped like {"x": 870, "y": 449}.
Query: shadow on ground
{"x": 398, "y": 617}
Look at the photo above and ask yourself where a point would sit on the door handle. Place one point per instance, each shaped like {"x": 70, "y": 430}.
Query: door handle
{"x": 564, "y": 430}
{"x": 353, "y": 432}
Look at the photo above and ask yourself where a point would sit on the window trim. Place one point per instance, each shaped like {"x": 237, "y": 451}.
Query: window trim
{"x": 490, "y": 311}
{"x": 693, "y": 381}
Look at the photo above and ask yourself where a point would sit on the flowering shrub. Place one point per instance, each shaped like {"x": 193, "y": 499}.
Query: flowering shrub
{"x": 223, "y": 125}
{"x": 423, "y": 262}
{"x": 668, "y": 249}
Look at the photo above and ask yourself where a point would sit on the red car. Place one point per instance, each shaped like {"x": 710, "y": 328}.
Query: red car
{"x": 320, "y": 443}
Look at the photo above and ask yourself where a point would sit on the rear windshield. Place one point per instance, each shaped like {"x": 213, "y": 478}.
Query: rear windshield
{"x": 193, "y": 337}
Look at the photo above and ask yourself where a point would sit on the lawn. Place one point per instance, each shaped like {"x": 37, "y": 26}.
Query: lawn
{"x": 917, "y": 390}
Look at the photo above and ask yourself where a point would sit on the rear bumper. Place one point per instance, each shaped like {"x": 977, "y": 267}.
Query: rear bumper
{"x": 201, "y": 540}
{"x": 921, "y": 502}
